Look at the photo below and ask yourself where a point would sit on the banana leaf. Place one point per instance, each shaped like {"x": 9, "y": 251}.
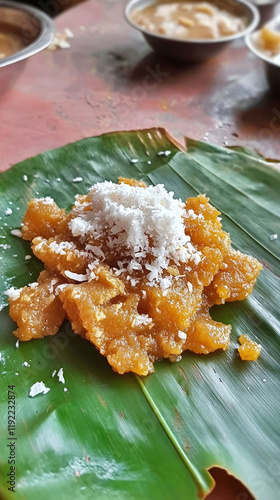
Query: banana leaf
{"x": 127, "y": 437}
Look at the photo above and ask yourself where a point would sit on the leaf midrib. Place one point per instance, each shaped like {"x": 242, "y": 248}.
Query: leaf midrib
{"x": 202, "y": 485}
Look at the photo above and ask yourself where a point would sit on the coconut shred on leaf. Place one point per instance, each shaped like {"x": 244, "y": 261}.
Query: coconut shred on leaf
{"x": 147, "y": 224}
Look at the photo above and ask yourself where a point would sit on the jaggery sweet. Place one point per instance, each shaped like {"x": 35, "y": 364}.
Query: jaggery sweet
{"x": 37, "y": 310}
{"x": 249, "y": 350}
{"x": 270, "y": 39}
{"x": 135, "y": 271}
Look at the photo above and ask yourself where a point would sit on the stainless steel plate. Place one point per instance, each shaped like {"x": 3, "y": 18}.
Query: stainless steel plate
{"x": 25, "y": 30}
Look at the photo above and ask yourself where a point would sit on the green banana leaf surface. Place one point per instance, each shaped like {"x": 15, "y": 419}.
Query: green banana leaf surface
{"x": 105, "y": 436}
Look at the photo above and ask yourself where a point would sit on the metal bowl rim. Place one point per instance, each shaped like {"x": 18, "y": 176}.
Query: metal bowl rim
{"x": 44, "y": 39}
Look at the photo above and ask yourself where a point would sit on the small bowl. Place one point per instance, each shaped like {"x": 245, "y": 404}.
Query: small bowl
{"x": 194, "y": 50}
{"x": 272, "y": 68}
{"x": 29, "y": 30}
{"x": 266, "y": 9}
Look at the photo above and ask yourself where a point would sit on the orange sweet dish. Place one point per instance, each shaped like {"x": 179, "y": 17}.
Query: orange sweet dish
{"x": 249, "y": 350}
{"x": 137, "y": 292}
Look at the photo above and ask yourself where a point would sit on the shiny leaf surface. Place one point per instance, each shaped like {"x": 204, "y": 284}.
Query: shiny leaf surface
{"x": 123, "y": 437}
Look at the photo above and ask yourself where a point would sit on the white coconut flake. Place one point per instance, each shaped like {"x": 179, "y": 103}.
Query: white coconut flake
{"x": 197, "y": 258}
{"x": 13, "y": 293}
{"x": 47, "y": 200}
{"x": 165, "y": 282}
{"x": 24, "y": 178}
{"x": 53, "y": 373}
{"x": 144, "y": 226}
{"x": 27, "y": 257}
{"x": 25, "y": 363}
{"x": 175, "y": 358}
{"x": 190, "y": 287}
{"x": 61, "y": 376}
{"x": 51, "y": 285}
{"x": 65, "y": 389}
{"x": 59, "y": 288}
{"x": 60, "y": 42}
{"x": 97, "y": 251}
{"x": 68, "y": 33}
{"x": 8, "y": 211}
{"x": 182, "y": 335}
{"x": 76, "y": 277}
{"x": 33, "y": 285}
{"x": 17, "y": 344}
{"x": 77, "y": 179}
{"x": 60, "y": 248}
{"x": 38, "y": 388}
{"x": 273, "y": 237}
{"x": 190, "y": 214}
{"x": 142, "y": 319}
{"x": 16, "y": 232}
{"x": 133, "y": 281}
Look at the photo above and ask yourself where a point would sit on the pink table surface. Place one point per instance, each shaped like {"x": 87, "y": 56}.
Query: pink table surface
{"x": 111, "y": 80}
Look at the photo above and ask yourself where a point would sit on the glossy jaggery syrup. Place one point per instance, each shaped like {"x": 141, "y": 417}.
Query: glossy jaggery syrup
{"x": 249, "y": 350}
{"x": 132, "y": 323}
{"x": 38, "y": 311}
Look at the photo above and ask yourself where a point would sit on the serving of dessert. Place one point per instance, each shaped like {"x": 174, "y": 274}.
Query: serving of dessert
{"x": 135, "y": 271}
{"x": 267, "y": 41}
{"x": 192, "y": 30}
{"x": 265, "y": 44}
{"x": 189, "y": 20}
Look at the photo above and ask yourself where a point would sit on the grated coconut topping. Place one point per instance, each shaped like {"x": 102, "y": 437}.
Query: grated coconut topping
{"x": 38, "y": 388}
{"x": 46, "y": 200}
{"x": 143, "y": 225}
{"x": 13, "y": 293}
{"x": 16, "y": 232}
{"x": 61, "y": 376}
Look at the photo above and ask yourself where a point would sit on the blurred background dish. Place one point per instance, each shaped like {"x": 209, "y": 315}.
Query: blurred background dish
{"x": 194, "y": 48}
{"x": 266, "y": 9}
{"x": 24, "y": 31}
{"x": 265, "y": 44}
